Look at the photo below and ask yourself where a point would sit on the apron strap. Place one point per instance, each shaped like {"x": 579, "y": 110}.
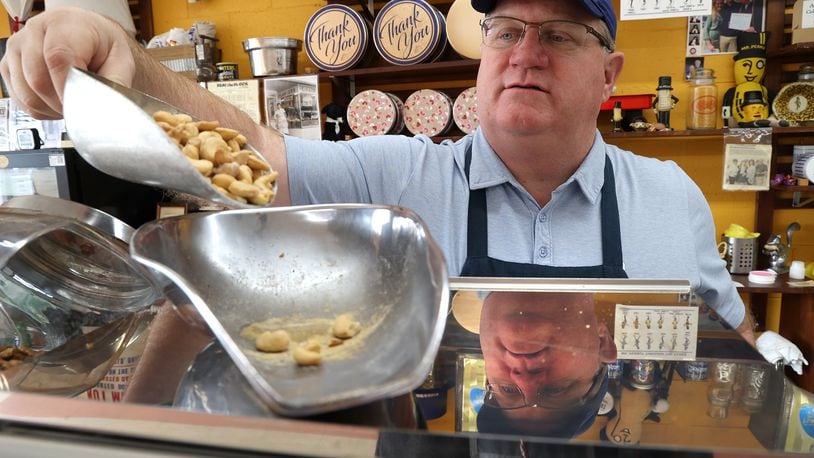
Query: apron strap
{"x": 477, "y": 232}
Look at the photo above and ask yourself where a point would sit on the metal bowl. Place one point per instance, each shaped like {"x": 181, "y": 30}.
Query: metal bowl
{"x": 307, "y": 265}
{"x": 112, "y": 128}
{"x": 272, "y": 56}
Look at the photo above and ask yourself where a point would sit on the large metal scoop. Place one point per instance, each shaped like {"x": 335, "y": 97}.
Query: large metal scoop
{"x": 112, "y": 128}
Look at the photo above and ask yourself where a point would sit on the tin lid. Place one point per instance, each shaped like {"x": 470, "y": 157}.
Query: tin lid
{"x": 373, "y": 112}
{"x": 428, "y": 112}
{"x": 407, "y": 31}
{"x": 465, "y": 110}
{"x": 271, "y": 42}
{"x": 336, "y": 38}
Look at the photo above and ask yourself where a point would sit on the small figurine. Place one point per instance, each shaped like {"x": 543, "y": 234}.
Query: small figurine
{"x": 665, "y": 101}
{"x": 778, "y": 251}
{"x": 616, "y": 119}
{"x": 336, "y": 125}
{"x": 750, "y": 67}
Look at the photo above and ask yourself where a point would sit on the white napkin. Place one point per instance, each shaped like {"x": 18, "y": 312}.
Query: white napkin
{"x": 776, "y": 349}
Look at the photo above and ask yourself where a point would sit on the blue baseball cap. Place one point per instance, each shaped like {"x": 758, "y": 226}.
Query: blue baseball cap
{"x": 602, "y": 9}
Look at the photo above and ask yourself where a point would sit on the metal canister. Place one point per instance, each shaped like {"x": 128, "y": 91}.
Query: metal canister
{"x": 227, "y": 71}
{"x": 615, "y": 369}
{"x": 643, "y": 373}
{"x": 693, "y": 370}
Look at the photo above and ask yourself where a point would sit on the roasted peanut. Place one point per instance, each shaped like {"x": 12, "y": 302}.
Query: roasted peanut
{"x": 241, "y": 157}
{"x": 244, "y": 174}
{"x": 223, "y": 180}
{"x": 242, "y": 189}
{"x": 191, "y": 151}
{"x": 207, "y": 125}
{"x": 269, "y": 341}
{"x": 230, "y": 168}
{"x": 344, "y": 327}
{"x": 226, "y": 133}
{"x": 257, "y": 164}
{"x": 164, "y": 117}
{"x": 203, "y": 166}
{"x": 263, "y": 197}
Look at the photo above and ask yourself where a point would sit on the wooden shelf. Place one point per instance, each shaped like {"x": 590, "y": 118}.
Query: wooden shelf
{"x": 703, "y": 133}
{"x": 787, "y": 188}
{"x": 800, "y": 52}
{"x": 780, "y": 285}
{"x": 458, "y": 69}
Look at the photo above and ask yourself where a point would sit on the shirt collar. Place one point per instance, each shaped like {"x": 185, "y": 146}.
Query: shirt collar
{"x": 488, "y": 170}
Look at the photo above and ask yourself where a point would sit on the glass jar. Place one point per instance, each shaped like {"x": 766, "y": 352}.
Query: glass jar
{"x": 806, "y": 73}
{"x": 703, "y": 111}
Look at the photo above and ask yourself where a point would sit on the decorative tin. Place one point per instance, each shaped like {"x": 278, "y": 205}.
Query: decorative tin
{"x": 407, "y": 31}
{"x": 374, "y": 112}
{"x": 336, "y": 38}
{"x": 615, "y": 369}
{"x": 643, "y": 373}
{"x": 693, "y": 370}
{"x": 465, "y": 111}
{"x": 428, "y": 112}
{"x": 227, "y": 71}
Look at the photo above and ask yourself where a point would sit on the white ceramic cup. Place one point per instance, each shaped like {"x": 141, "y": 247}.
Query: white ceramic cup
{"x": 797, "y": 271}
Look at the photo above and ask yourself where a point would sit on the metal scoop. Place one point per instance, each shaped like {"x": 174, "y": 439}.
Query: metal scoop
{"x": 112, "y": 128}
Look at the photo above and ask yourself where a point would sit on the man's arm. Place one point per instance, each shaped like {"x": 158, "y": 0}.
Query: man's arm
{"x": 156, "y": 79}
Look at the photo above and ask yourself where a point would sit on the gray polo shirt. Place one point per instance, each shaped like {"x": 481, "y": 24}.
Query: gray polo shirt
{"x": 667, "y": 227}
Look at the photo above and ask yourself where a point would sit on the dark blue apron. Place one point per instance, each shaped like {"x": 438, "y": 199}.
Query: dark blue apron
{"x": 479, "y": 264}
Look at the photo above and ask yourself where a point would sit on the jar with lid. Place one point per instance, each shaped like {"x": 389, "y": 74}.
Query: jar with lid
{"x": 806, "y": 73}
{"x": 703, "y": 111}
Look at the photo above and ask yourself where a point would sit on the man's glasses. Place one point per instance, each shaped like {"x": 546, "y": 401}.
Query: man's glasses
{"x": 507, "y": 396}
{"x": 560, "y": 35}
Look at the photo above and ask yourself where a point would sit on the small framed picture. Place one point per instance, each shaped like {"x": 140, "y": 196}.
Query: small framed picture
{"x": 746, "y": 167}
{"x": 170, "y": 209}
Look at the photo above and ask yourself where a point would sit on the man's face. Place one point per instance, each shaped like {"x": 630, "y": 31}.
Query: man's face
{"x": 528, "y": 88}
{"x": 549, "y": 343}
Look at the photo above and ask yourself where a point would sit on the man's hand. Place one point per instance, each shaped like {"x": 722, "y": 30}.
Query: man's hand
{"x": 746, "y": 329}
{"x": 38, "y": 57}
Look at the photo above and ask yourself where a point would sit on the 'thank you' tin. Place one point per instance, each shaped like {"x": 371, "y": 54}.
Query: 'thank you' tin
{"x": 337, "y": 38}
{"x": 408, "y": 32}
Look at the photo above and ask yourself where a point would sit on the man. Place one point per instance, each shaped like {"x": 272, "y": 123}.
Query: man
{"x": 534, "y": 191}
{"x": 544, "y": 357}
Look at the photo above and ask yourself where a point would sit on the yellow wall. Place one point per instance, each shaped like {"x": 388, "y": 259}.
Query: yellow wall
{"x": 236, "y": 20}
{"x": 653, "y": 48}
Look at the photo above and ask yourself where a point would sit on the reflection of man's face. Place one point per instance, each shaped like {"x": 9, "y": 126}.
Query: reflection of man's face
{"x": 549, "y": 343}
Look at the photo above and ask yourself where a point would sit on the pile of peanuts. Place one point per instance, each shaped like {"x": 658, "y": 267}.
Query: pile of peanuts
{"x": 11, "y": 356}
{"x": 218, "y": 154}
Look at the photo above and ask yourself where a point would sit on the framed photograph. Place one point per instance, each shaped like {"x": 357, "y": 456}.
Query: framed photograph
{"x": 746, "y": 167}
{"x": 692, "y": 65}
{"x": 717, "y": 32}
{"x": 291, "y": 105}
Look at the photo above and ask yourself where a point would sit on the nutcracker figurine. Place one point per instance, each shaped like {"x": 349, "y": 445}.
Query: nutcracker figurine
{"x": 665, "y": 101}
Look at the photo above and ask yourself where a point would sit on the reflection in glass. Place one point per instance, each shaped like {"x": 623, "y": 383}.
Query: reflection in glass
{"x": 545, "y": 356}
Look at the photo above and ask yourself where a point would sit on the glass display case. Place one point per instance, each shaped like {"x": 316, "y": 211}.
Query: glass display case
{"x": 526, "y": 367}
